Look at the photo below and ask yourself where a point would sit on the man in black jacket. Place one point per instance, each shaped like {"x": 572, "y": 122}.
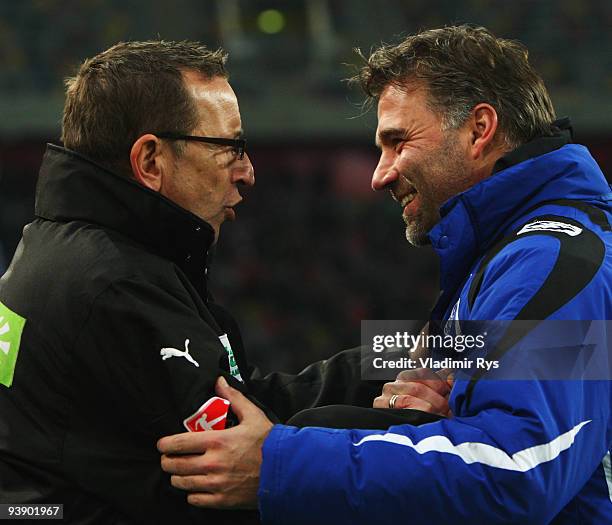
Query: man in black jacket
{"x": 111, "y": 339}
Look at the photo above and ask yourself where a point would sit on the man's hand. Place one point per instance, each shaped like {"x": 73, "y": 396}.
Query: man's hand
{"x": 420, "y": 389}
{"x": 220, "y": 467}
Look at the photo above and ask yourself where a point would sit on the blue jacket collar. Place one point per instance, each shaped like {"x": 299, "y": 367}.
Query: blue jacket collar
{"x": 472, "y": 220}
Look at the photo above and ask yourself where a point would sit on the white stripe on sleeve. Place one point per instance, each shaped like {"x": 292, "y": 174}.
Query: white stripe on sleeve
{"x": 607, "y": 466}
{"x": 474, "y": 452}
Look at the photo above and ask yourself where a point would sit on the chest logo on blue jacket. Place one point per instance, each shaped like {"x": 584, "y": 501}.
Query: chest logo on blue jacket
{"x": 551, "y": 226}
{"x": 167, "y": 353}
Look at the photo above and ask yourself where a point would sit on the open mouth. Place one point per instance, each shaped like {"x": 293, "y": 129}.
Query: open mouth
{"x": 408, "y": 203}
{"x": 407, "y": 199}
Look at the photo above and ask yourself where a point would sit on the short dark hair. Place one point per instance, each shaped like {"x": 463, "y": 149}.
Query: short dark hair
{"x": 462, "y": 66}
{"x": 131, "y": 89}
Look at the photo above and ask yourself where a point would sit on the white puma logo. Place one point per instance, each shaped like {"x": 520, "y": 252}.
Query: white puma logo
{"x": 167, "y": 353}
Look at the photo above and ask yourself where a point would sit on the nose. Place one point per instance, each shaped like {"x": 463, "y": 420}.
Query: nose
{"x": 245, "y": 174}
{"x": 385, "y": 174}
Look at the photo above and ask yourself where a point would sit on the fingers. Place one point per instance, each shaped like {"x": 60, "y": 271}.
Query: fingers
{"x": 190, "y": 483}
{"x": 418, "y": 389}
{"x": 422, "y": 388}
{"x": 425, "y": 376}
{"x": 190, "y": 465}
{"x": 202, "y": 499}
{"x": 381, "y": 402}
{"x": 220, "y": 467}
{"x": 187, "y": 443}
{"x": 406, "y": 402}
{"x": 223, "y": 389}
{"x": 217, "y": 501}
{"x": 204, "y": 490}
{"x": 196, "y": 483}
{"x": 434, "y": 403}
{"x": 241, "y": 406}
{"x": 213, "y": 492}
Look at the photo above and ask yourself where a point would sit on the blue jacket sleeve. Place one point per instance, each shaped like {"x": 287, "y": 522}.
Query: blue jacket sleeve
{"x": 518, "y": 454}
{"x": 505, "y": 464}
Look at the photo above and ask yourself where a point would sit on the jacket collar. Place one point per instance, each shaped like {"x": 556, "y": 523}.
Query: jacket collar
{"x": 74, "y": 188}
{"x": 545, "y": 169}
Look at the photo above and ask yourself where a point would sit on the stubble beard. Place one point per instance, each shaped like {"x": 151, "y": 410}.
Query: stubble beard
{"x": 417, "y": 228}
{"x": 448, "y": 167}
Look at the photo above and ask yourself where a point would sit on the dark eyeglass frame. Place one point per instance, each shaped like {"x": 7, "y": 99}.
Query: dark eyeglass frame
{"x": 239, "y": 145}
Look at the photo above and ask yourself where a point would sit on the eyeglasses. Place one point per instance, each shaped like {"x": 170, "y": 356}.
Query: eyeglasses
{"x": 238, "y": 145}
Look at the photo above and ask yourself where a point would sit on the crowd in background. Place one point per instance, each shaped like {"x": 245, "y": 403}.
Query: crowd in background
{"x": 41, "y": 40}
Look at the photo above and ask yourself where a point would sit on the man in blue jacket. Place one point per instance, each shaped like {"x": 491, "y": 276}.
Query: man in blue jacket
{"x": 520, "y": 219}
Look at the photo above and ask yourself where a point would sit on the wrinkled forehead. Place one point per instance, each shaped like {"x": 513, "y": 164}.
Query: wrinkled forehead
{"x": 402, "y": 97}
{"x": 216, "y": 102}
{"x": 402, "y": 106}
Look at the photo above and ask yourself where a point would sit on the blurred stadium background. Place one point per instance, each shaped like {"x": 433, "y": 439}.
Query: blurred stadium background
{"x": 314, "y": 250}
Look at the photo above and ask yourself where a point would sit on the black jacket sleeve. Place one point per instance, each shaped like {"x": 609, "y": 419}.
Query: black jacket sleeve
{"x": 334, "y": 381}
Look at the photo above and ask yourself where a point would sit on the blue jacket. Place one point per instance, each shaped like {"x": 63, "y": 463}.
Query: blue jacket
{"x": 524, "y": 451}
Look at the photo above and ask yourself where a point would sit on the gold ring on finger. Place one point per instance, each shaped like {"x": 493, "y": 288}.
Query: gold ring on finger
{"x": 392, "y": 400}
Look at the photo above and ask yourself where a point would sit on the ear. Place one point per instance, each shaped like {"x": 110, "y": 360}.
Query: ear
{"x": 484, "y": 127}
{"x": 146, "y": 159}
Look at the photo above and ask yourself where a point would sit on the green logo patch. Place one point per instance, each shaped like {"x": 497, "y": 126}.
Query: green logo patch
{"x": 233, "y": 366}
{"x": 11, "y": 328}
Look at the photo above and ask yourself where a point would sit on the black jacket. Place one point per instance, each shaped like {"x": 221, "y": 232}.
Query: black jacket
{"x": 107, "y": 275}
